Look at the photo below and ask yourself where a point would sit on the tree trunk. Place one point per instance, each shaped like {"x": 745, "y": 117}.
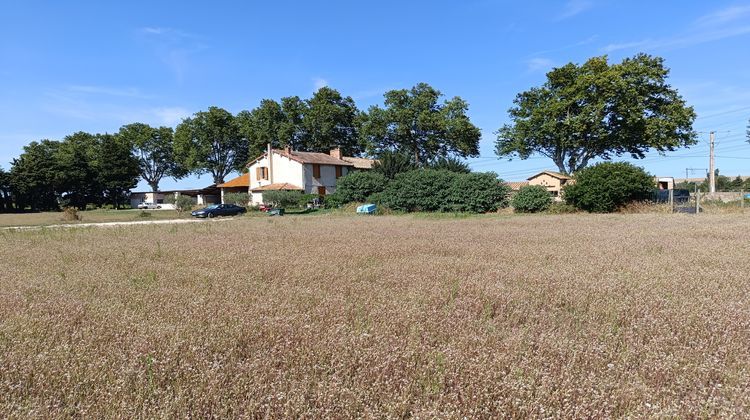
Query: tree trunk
{"x": 154, "y": 186}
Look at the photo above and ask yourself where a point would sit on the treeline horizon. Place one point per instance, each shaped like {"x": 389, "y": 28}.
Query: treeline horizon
{"x": 582, "y": 112}
{"x": 85, "y": 169}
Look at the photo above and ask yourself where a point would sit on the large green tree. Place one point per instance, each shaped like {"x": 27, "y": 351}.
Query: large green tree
{"x": 6, "y": 198}
{"x": 117, "y": 168}
{"x": 261, "y": 126}
{"x": 598, "y": 110}
{"x": 330, "y": 121}
{"x": 33, "y": 175}
{"x": 414, "y": 121}
{"x": 211, "y": 142}
{"x": 154, "y": 149}
{"x": 76, "y": 177}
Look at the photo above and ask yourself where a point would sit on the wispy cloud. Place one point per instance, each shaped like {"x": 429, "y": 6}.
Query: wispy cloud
{"x": 574, "y": 8}
{"x": 319, "y": 82}
{"x": 723, "y": 16}
{"x": 174, "y": 47}
{"x": 107, "y": 90}
{"x": 587, "y": 41}
{"x": 170, "y": 116}
{"x": 721, "y": 24}
{"x": 539, "y": 63}
{"x": 75, "y": 105}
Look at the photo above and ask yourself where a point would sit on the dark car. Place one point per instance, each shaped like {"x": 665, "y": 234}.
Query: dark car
{"x": 219, "y": 210}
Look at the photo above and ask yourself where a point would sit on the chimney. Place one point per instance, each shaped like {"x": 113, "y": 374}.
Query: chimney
{"x": 336, "y": 153}
{"x": 288, "y": 150}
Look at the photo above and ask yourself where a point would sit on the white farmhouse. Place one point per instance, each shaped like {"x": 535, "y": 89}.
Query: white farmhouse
{"x": 309, "y": 172}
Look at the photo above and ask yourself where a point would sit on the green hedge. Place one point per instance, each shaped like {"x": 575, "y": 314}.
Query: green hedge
{"x": 607, "y": 186}
{"x": 440, "y": 190}
{"x": 531, "y": 199}
{"x": 359, "y": 185}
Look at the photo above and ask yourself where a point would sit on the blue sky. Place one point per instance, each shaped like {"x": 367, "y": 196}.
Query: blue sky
{"x": 94, "y": 66}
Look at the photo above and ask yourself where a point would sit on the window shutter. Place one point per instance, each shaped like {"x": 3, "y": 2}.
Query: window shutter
{"x": 316, "y": 170}
{"x": 338, "y": 171}
{"x": 257, "y": 172}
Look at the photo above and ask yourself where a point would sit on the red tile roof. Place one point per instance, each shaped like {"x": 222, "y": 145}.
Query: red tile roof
{"x": 241, "y": 181}
{"x": 307, "y": 157}
{"x": 281, "y": 186}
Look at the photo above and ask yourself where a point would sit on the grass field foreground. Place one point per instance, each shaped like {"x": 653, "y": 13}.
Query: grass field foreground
{"x": 335, "y": 316}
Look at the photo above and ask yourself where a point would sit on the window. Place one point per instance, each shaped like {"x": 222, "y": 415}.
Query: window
{"x": 316, "y": 170}
{"x": 338, "y": 171}
{"x": 160, "y": 201}
{"x": 261, "y": 172}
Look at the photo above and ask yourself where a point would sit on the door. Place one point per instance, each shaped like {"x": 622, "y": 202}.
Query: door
{"x": 321, "y": 191}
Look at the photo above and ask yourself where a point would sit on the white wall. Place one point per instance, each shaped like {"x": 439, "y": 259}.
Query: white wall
{"x": 327, "y": 178}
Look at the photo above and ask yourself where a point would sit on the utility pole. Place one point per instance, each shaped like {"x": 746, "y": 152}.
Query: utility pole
{"x": 711, "y": 167}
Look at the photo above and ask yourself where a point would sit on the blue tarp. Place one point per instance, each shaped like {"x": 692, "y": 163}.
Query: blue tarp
{"x": 367, "y": 208}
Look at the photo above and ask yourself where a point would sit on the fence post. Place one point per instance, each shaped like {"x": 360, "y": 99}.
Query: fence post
{"x": 671, "y": 200}
{"x": 742, "y": 200}
{"x": 698, "y": 202}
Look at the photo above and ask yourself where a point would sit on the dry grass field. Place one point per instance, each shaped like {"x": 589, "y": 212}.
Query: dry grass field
{"x": 393, "y": 316}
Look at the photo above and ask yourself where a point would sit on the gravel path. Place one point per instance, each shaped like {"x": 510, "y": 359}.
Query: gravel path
{"x": 110, "y": 224}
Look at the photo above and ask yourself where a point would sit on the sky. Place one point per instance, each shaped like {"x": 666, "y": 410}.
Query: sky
{"x": 94, "y": 66}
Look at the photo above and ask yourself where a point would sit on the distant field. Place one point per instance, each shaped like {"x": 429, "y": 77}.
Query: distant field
{"x": 91, "y": 216}
{"x": 336, "y": 316}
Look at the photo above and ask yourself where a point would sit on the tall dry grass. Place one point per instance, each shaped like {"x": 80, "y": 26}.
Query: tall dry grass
{"x": 543, "y": 316}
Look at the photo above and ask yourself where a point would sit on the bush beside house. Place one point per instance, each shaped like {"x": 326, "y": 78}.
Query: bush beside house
{"x": 238, "y": 199}
{"x": 607, "y": 186}
{"x": 443, "y": 191}
{"x": 358, "y": 186}
{"x": 282, "y": 198}
{"x": 531, "y": 199}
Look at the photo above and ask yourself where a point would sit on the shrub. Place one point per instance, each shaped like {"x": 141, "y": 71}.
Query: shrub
{"x": 452, "y": 164}
{"x": 441, "y": 190}
{"x": 70, "y": 214}
{"x": 357, "y": 186}
{"x": 478, "y": 192}
{"x": 305, "y": 199}
{"x": 181, "y": 202}
{"x": 392, "y": 163}
{"x": 561, "y": 208}
{"x": 281, "y": 198}
{"x": 240, "y": 199}
{"x": 531, "y": 199}
{"x": 334, "y": 200}
{"x": 605, "y": 187}
{"x": 419, "y": 190}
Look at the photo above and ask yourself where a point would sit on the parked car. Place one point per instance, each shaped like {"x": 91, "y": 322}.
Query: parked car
{"x": 149, "y": 206}
{"x": 219, "y": 210}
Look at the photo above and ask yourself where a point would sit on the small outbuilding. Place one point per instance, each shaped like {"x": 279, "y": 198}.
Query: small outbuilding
{"x": 553, "y": 181}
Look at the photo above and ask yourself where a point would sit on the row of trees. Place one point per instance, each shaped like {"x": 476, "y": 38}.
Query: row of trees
{"x": 581, "y": 112}
{"x": 79, "y": 170}
{"x": 415, "y": 124}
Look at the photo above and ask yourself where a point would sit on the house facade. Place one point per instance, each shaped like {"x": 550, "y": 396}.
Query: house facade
{"x": 285, "y": 169}
{"x": 552, "y": 181}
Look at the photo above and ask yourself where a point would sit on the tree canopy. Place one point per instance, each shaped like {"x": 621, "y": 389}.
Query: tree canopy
{"x": 414, "y": 121}
{"x": 154, "y": 148}
{"x": 598, "y": 110}
{"x": 326, "y": 121}
{"x": 330, "y": 121}
{"x": 211, "y": 142}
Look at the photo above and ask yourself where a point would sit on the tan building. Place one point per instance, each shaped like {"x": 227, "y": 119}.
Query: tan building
{"x": 553, "y": 181}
